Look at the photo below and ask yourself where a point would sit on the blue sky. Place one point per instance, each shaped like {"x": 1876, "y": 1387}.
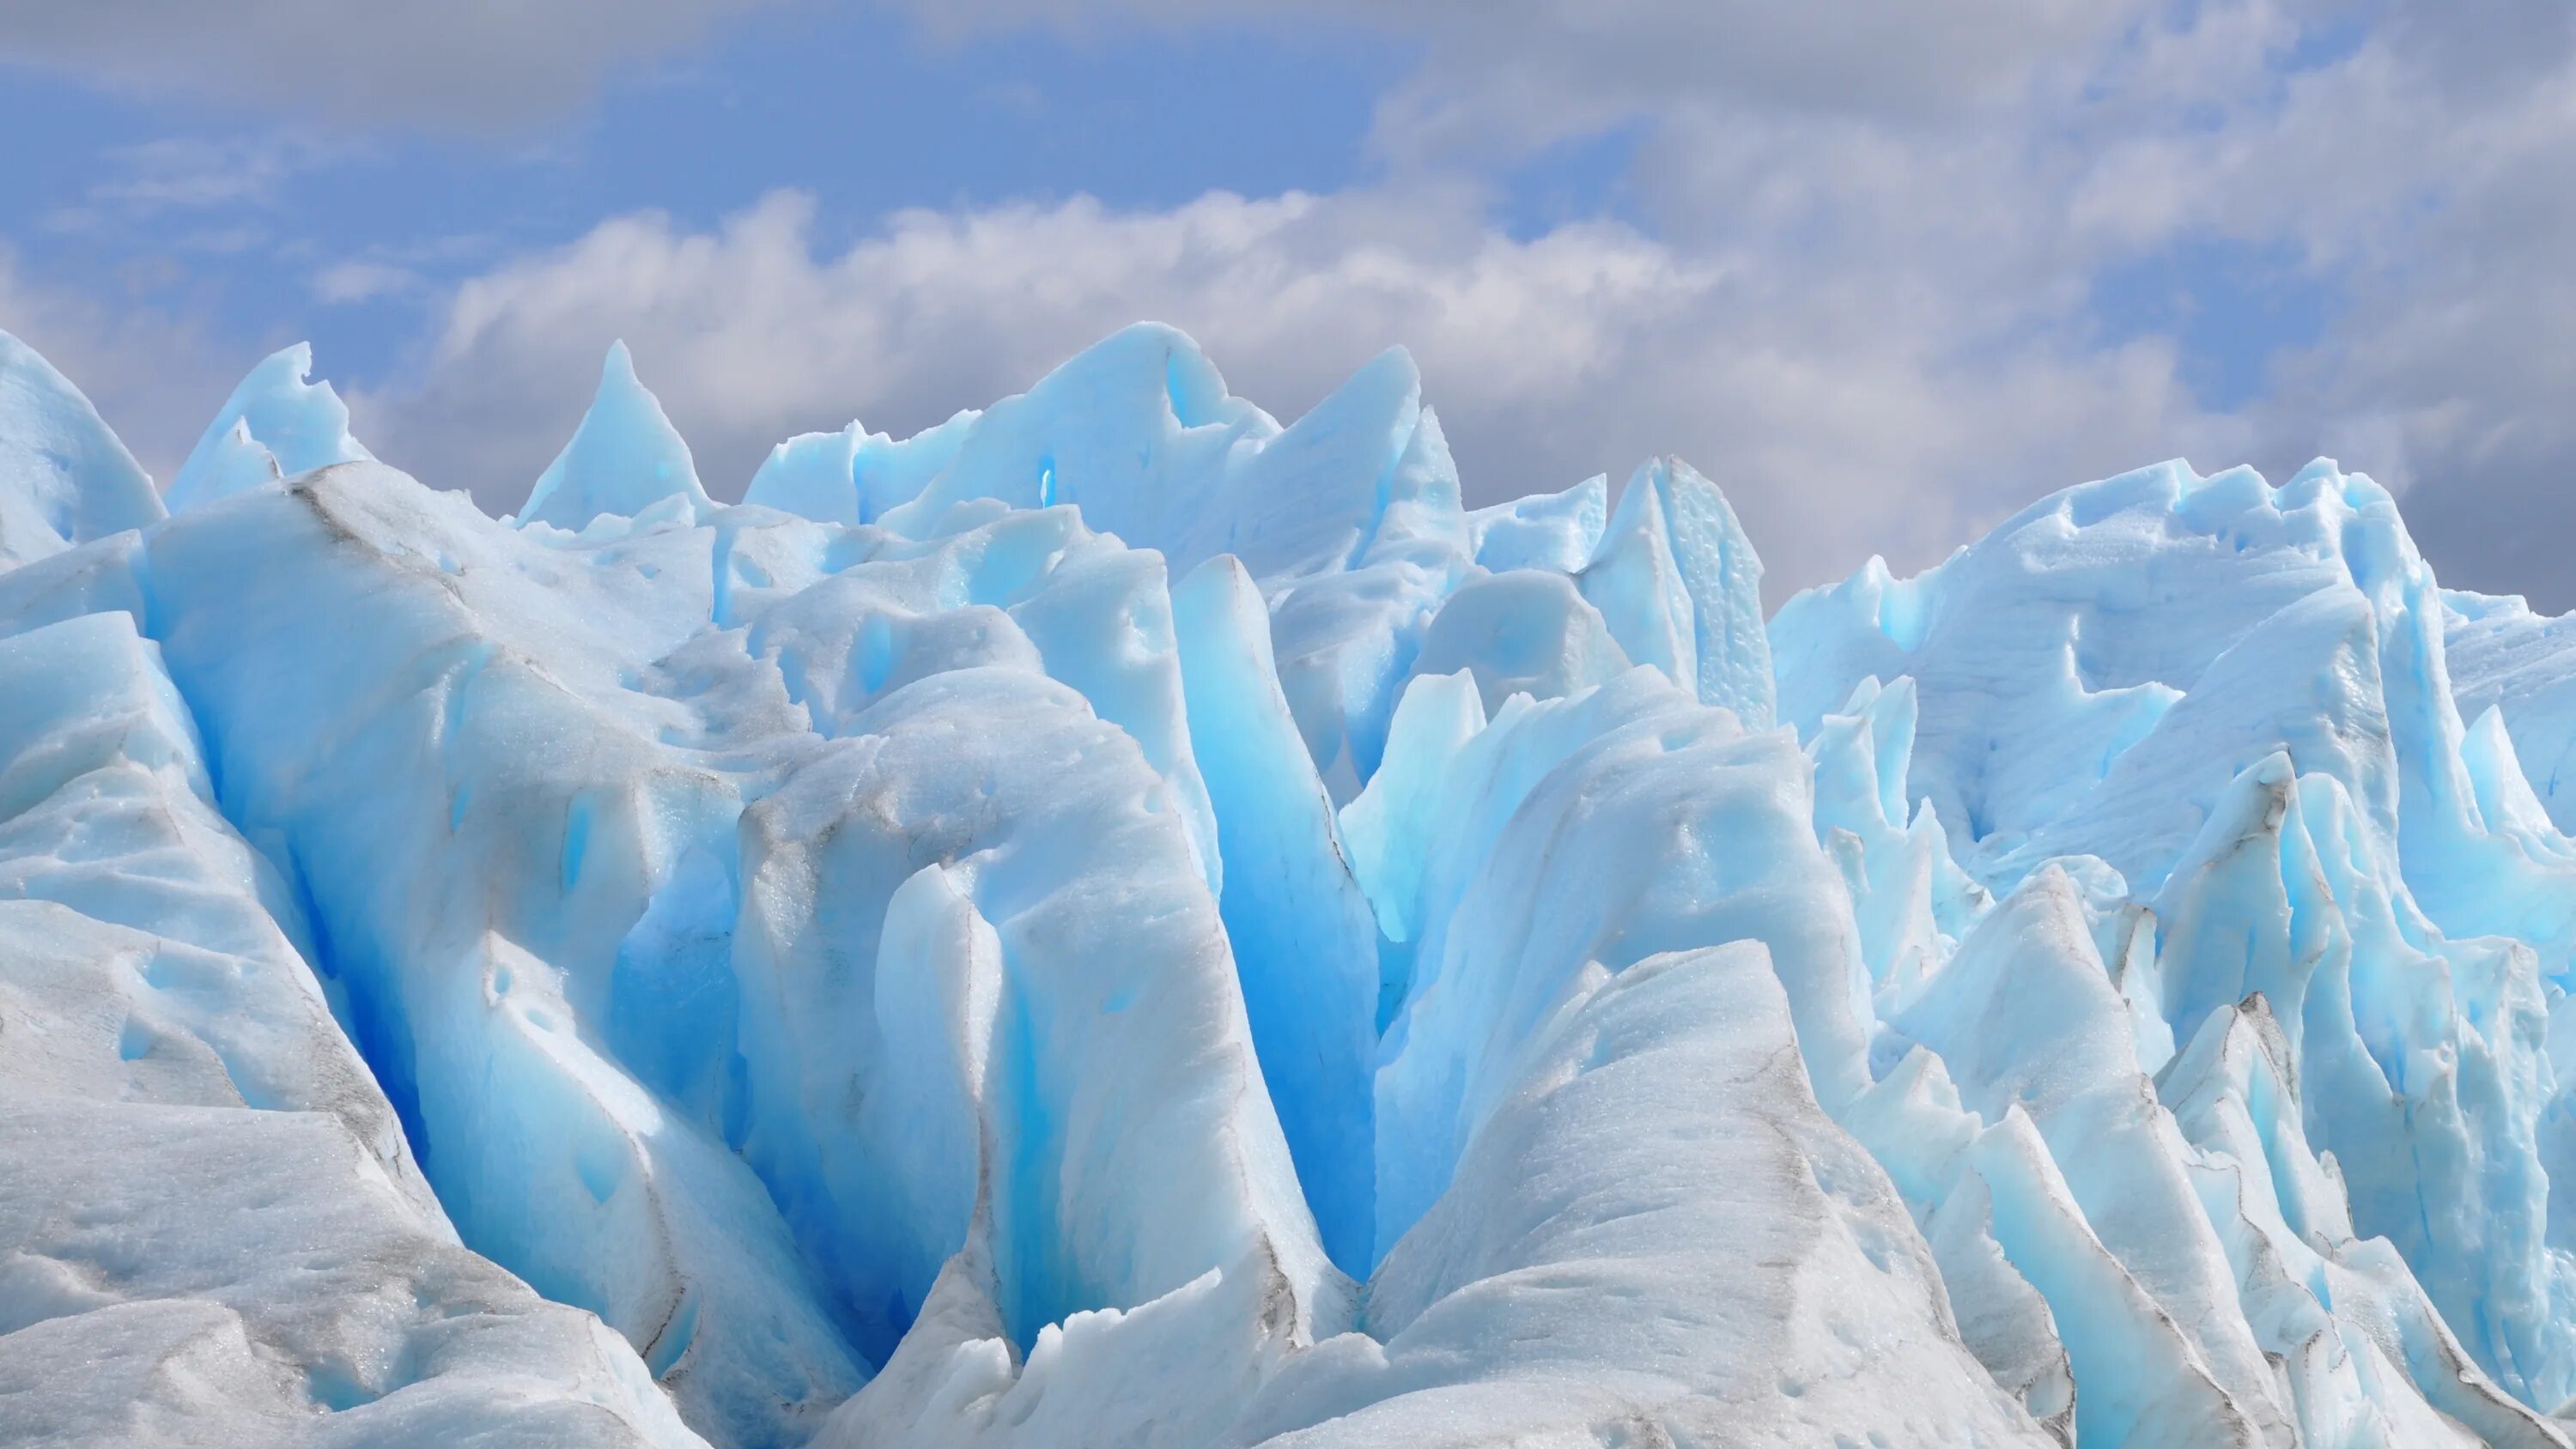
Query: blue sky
{"x": 246, "y": 210}
{"x": 1885, "y": 271}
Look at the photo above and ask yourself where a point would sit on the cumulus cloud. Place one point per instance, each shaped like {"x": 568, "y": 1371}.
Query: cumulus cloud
{"x": 1860, "y": 279}
{"x": 2423, "y": 174}
{"x": 1958, "y": 178}
{"x": 154, "y": 375}
{"x": 1857, "y": 292}
{"x": 2453, "y": 239}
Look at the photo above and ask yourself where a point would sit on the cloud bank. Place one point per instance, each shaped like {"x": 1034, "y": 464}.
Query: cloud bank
{"x": 1867, "y": 262}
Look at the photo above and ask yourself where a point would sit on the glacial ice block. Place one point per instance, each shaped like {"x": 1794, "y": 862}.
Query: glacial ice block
{"x": 1584, "y": 833}
{"x": 623, "y": 458}
{"x": 2504, "y": 657}
{"x": 813, "y": 475}
{"x": 1305, "y": 944}
{"x": 1141, "y": 434}
{"x": 1115, "y": 920}
{"x": 212, "y": 1226}
{"x": 1682, "y": 589}
{"x": 2237, "y": 696}
{"x": 276, "y": 425}
{"x": 854, "y": 476}
{"x": 478, "y": 810}
{"x": 1104, "y": 1046}
{"x": 1659, "y": 1149}
{"x": 65, "y": 479}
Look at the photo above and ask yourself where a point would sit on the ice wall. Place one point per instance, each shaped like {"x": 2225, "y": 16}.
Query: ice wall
{"x": 212, "y": 1229}
{"x": 1117, "y": 920}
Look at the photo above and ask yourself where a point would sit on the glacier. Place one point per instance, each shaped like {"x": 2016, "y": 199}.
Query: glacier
{"x": 1115, "y": 920}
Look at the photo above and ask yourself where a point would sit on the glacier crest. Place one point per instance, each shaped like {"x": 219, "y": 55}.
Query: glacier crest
{"x": 1118, "y": 920}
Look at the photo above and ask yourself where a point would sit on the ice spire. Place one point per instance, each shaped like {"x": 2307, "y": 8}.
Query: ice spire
{"x": 1681, "y": 588}
{"x": 275, "y": 425}
{"x": 624, "y": 457}
{"x": 64, "y": 477}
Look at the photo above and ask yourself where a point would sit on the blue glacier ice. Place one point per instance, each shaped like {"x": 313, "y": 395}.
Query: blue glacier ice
{"x": 64, "y": 478}
{"x": 623, "y": 459}
{"x": 1118, "y": 920}
{"x": 275, "y": 425}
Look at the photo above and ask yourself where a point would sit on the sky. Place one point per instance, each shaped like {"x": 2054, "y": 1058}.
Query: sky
{"x": 1886, "y": 271}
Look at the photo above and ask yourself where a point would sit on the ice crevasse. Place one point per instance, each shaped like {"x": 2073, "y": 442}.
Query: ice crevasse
{"x": 1116, "y": 921}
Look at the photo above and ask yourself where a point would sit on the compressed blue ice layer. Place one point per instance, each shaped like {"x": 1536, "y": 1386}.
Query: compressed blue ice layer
{"x": 1114, "y": 920}
{"x": 1305, "y": 943}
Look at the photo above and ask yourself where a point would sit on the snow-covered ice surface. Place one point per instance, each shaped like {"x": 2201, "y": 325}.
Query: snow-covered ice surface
{"x": 1115, "y": 921}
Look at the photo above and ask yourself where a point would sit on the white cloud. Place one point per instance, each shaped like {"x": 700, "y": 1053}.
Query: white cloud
{"x": 2426, "y": 176}
{"x": 362, "y": 281}
{"x": 193, "y": 193}
{"x": 1859, "y": 288}
{"x": 179, "y": 173}
{"x": 1863, "y": 303}
{"x": 155, "y": 376}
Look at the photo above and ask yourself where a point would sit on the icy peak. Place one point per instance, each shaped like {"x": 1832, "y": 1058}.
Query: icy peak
{"x": 275, "y": 425}
{"x": 1139, "y": 432}
{"x": 64, "y": 477}
{"x": 1682, "y": 588}
{"x": 624, "y": 458}
{"x": 988, "y": 944}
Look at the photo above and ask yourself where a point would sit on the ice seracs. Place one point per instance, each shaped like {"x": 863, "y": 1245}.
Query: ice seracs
{"x": 276, "y": 425}
{"x": 1118, "y": 920}
{"x": 65, "y": 479}
{"x": 623, "y": 459}
{"x": 216, "y": 1233}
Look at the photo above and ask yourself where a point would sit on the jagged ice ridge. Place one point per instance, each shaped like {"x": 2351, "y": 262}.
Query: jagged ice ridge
{"x": 1114, "y": 921}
